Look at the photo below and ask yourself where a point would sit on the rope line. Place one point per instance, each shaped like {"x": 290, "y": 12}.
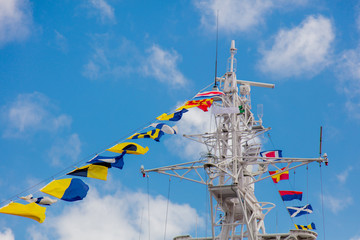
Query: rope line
{"x": 167, "y": 207}
{"x": 141, "y": 218}
{"x": 148, "y": 193}
{"x": 322, "y": 200}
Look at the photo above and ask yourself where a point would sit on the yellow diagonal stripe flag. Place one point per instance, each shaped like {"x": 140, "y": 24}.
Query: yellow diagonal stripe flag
{"x": 31, "y": 210}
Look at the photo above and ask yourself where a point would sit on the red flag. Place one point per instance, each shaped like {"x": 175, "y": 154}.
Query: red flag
{"x": 203, "y": 104}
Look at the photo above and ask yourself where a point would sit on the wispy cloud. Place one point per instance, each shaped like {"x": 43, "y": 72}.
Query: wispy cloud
{"x": 239, "y": 15}
{"x": 342, "y": 177}
{"x": 124, "y": 214}
{"x": 61, "y": 42}
{"x": 162, "y": 65}
{"x": 303, "y": 50}
{"x": 69, "y": 148}
{"x": 348, "y": 71}
{"x": 15, "y": 20}
{"x": 355, "y": 238}
{"x": 337, "y": 204}
{"x": 111, "y": 59}
{"x": 7, "y": 234}
{"x": 103, "y": 10}
{"x": 30, "y": 113}
{"x": 118, "y": 60}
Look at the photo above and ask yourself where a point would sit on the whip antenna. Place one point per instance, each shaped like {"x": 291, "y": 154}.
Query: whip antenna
{"x": 217, "y": 36}
{"x": 320, "y": 140}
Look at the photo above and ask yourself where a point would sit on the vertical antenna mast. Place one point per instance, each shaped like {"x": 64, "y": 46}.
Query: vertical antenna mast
{"x": 320, "y": 140}
{"x": 217, "y": 34}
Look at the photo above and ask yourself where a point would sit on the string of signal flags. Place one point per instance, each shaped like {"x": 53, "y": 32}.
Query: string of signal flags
{"x": 75, "y": 189}
{"x": 281, "y": 174}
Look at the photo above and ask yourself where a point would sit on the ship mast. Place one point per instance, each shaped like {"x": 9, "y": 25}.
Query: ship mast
{"x": 233, "y": 165}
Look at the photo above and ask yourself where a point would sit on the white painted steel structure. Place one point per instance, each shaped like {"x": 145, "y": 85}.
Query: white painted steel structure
{"x": 233, "y": 166}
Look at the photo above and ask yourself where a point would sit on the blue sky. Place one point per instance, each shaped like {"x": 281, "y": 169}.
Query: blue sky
{"x": 78, "y": 76}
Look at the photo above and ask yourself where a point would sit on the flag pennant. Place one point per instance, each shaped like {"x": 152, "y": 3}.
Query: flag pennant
{"x": 272, "y": 154}
{"x": 276, "y": 177}
{"x": 117, "y": 162}
{"x": 40, "y": 200}
{"x": 68, "y": 189}
{"x": 298, "y": 210}
{"x": 165, "y": 128}
{"x": 304, "y": 227}
{"x": 203, "y": 104}
{"x": 155, "y": 134}
{"x": 128, "y": 147}
{"x": 209, "y": 94}
{"x": 176, "y": 116}
{"x": 31, "y": 210}
{"x": 96, "y": 170}
{"x": 290, "y": 195}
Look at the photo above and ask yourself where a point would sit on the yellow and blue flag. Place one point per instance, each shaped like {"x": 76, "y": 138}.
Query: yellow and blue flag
{"x": 128, "y": 147}
{"x": 97, "y": 170}
{"x": 304, "y": 227}
{"x": 31, "y": 210}
{"x": 176, "y": 116}
{"x": 155, "y": 134}
{"x": 68, "y": 189}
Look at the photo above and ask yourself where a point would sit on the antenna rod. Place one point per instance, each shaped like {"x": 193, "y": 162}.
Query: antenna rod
{"x": 217, "y": 34}
{"x": 320, "y": 140}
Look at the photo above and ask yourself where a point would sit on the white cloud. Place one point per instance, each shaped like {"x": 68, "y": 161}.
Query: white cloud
{"x": 123, "y": 215}
{"x": 122, "y": 59}
{"x": 355, "y": 238}
{"x": 239, "y": 15}
{"x": 234, "y": 15}
{"x": 7, "y": 234}
{"x": 15, "y": 20}
{"x": 69, "y": 148}
{"x": 97, "y": 65}
{"x": 111, "y": 61}
{"x": 349, "y": 80}
{"x": 162, "y": 65}
{"x": 303, "y": 50}
{"x": 337, "y": 204}
{"x": 61, "y": 41}
{"x": 30, "y": 113}
{"x": 349, "y": 63}
{"x": 342, "y": 177}
{"x": 103, "y": 10}
{"x": 193, "y": 122}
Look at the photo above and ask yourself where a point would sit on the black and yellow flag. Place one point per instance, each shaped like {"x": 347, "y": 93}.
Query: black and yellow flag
{"x": 98, "y": 171}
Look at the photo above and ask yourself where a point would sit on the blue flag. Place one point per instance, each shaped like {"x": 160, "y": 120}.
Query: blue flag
{"x": 298, "y": 210}
{"x": 117, "y": 162}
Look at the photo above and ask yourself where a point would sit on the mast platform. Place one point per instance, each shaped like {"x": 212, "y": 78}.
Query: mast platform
{"x": 293, "y": 234}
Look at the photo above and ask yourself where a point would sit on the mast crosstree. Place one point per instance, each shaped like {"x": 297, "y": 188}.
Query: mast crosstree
{"x": 233, "y": 165}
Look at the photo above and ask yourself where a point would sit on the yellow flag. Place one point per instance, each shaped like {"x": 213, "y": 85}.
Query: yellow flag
{"x": 31, "y": 210}
{"x": 128, "y": 147}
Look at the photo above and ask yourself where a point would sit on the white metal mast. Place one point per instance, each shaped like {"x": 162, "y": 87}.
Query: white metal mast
{"x": 233, "y": 166}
